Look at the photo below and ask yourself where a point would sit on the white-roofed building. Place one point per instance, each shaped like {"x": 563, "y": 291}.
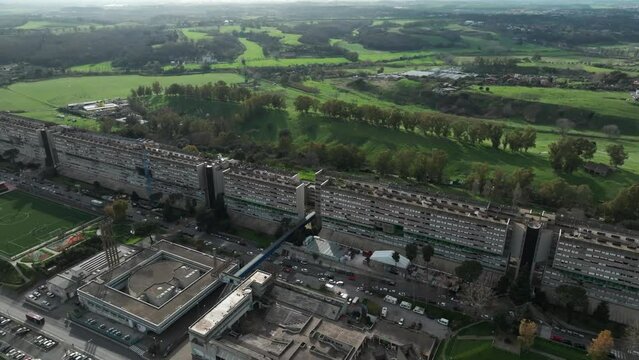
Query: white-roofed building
{"x": 385, "y": 257}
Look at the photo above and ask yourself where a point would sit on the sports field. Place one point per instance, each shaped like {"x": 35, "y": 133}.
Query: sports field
{"x": 27, "y": 220}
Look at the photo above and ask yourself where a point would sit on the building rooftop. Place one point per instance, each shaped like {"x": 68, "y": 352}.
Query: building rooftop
{"x": 285, "y": 333}
{"x": 142, "y": 272}
{"x": 386, "y": 257}
{"x": 209, "y": 322}
{"x": 274, "y": 178}
{"x": 602, "y": 238}
{"x": 416, "y": 199}
{"x": 21, "y": 121}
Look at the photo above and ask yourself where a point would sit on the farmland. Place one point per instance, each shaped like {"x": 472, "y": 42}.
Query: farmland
{"x": 195, "y": 35}
{"x": 604, "y": 102}
{"x": 93, "y": 68}
{"x": 40, "y": 99}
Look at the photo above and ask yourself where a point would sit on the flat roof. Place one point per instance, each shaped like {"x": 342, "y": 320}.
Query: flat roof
{"x": 280, "y": 332}
{"x": 101, "y": 291}
{"x": 209, "y": 322}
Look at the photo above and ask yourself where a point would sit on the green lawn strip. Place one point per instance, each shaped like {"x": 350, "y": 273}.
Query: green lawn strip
{"x": 612, "y": 103}
{"x": 484, "y": 328}
{"x": 259, "y": 239}
{"x": 557, "y": 349}
{"x": 93, "y": 68}
{"x": 270, "y": 62}
{"x": 195, "y": 35}
{"x": 253, "y": 51}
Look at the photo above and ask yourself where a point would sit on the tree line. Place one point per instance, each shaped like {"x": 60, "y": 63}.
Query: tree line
{"x": 465, "y": 131}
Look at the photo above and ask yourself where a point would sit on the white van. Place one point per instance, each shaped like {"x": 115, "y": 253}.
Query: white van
{"x": 406, "y": 305}
{"x": 390, "y": 299}
{"x": 443, "y": 321}
{"x": 384, "y": 311}
{"x": 419, "y": 310}
{"x": 355, "y": 300}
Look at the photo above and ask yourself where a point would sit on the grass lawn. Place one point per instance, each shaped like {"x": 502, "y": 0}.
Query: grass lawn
{"x": 39, "y": 99}
{"x": 377, "y": 55}
{"x": 268, "y": 62}
{"x": 253, "y": 51}
{"x": 27, "y": 220}
{"x": 612, "y": 103}
{"x": 260, "y": 240}
{"x": 37, "y": 24}
{"x": 482, "y": 350}
{"x": 98, "y": 67}
{"x": 561, "y": 350}
{"x": 482, "y": 329}
{"x": 195, "y": 35}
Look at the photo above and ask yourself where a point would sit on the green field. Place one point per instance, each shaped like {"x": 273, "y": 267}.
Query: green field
{"x": 40, "y": 99}
{"x": 27, "y": 220}
{"x": 282, "y": 62}
{"x": 484, "y": 350}
{"x": 611, "y": 103}
{"x": 377, "y": 55}
{"x": 195, "y": 35}
{"x": 253, "y": 51}
{"x": 93, "y": 68}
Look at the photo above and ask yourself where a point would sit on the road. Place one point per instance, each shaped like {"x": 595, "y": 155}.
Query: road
{"x": 69, "y": 336}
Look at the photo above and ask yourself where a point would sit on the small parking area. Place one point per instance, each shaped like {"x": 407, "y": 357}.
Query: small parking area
{"x": 42, "y": 298}
{"x": 24, "y": 342}
{"x": 108, "y": 328}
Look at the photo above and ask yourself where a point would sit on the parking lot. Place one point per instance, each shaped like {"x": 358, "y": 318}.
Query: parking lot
{"x": 24, "y": 342}
{"x": 352, "y": 286}
{"x": 42, "y": 298}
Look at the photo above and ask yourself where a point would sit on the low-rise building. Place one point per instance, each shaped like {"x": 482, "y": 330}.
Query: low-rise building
{"x": 153, "y": 288}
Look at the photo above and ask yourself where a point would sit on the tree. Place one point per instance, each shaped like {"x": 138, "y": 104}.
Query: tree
{"x": 572, "y": 297}
{"x": 567, "y": 154}
{"x": 156, "y": 88}
{"x": 611, "y": 130}
{"x": 106, "y": 124}
{"x": 602, "y": 312}
{"x": 411, "y": 251}
{"x": 617, "y": 154}
{"x": 304, "y": 104}
{"x": 527, "y": 333}
{"x": 504, "y": 282}
{"x": 625, "y": 206}
{"x": 477, "y": 296}
{"x": 631, "y": 336}
{"x": 383, "y": 163}
{"x": 396, "y": 257}
{"x": 285, "y": 141}
{"x": 427, "y": 253}
{"x": 117, "y": 210}
{"x": 191, "y": 149}
{"x": 565, "y": 125}
{"x": 469, "y": 270}
{"x": 600, "y": 346}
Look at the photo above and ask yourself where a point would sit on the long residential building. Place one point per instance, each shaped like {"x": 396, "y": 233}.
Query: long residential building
{"x": 606, "y": 264}
{"x": 135, "y": 165}
{"x": 26, "y": 136}
{"x": 264, "y": 195}
{"x": 458, "y": 231}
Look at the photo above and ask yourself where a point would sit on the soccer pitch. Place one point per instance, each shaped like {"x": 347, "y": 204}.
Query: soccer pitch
{"x": 27, "y": 220}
